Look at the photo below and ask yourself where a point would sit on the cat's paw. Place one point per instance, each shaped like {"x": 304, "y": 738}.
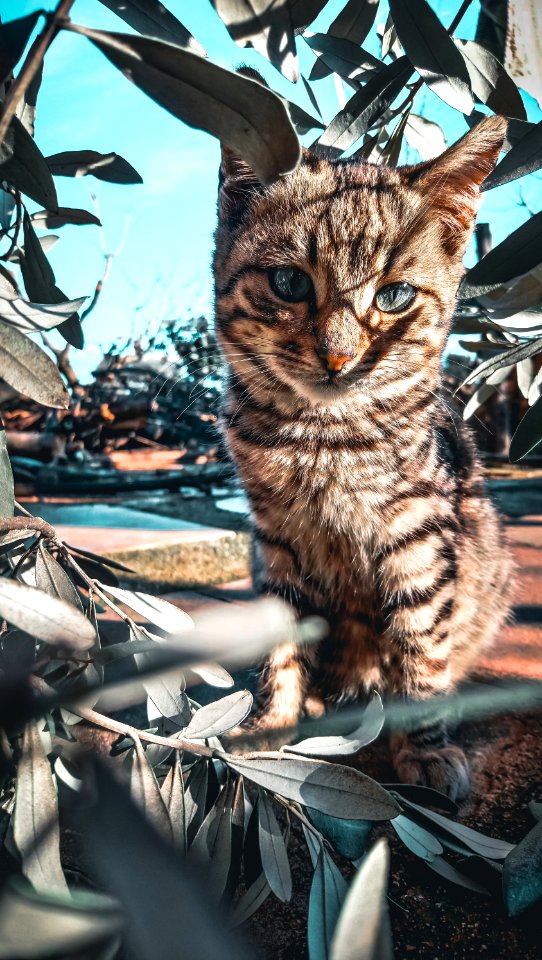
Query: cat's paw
{"x": 446, "y": 769}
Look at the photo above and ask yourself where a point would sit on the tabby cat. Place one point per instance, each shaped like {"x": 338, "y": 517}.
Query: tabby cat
{"x": 335, "y": 289}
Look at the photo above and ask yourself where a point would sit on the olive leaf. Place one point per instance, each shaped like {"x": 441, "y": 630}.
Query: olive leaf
{"x": 51, "y": 220}
{"x": 164, "y": 691}
{"x": 342, "y": 57}
{"x": 28, "y": 369}
{"x": 47, "y": 618}
{"x": 425, "y": 136}
{"x": 220, "y": 716}
{"x": 489, "y": 847}
{"x": 489, "y": 80}
{"x": 211, "y": 847}
{"x": 14, "y": 36}
{"x": 53, "y": 579}
{"x": 328, "y": 787}
{"x": 195, "y": 797}
{"x": 41, "y": 924}
{"x": 514, "y": 256}
{"x": 273, "y": 853}
{"x": 245, "y": 115}
{"x": 251, "y": 901}
{"x": 369, "y": 729}
{"x": 163, "y": 614}
{"x": 172, "y": 791}
{"x": 213, "y": 674}
{"x": 366, "y": 106}
{"x": 432, "y": 52}
{"x": 422, "y": 843}
{"x": 347, "y": 837}
{"x": 354, "y": 21}
{"x": 103, "y": 166}
{"x": 151, "y": 18}
{"x": 363, "y": 930}
{"x": 145, "y": 791}
{"x": 265, "y": 25}
{"x": 513, "y": 355}
{"x": 327, "y": 894}
{"x": 39, "y": 281}
{"x": 23, "y": 165}
{"x": 36, "y": 831}
{"x": 528, "y": 433}
{"x": 447, "y": 870}
{"x": 525, "y": 157}
{"x": 37, "y": 316}
{"x": 164, "y": 899}
{"x": 6, "y": 477}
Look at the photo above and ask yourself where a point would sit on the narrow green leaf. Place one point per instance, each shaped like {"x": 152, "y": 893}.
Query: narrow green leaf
{"x": 245, "y": 115}
{"x": 49, "y": 619}
{"x": 364, "y": 108}
{"x": 14, "y": 36}
{"x": 528, "y": 433}
{"x": 347, "y": 837}
{"x": 433, "y": 53}
{"x": 367, "y": 732}
{"x": 103, "y": 166}
{"x": 329, "y": 787}
{"x": 145, "y": 792}
{"x": 211, "y": 847}
{"x": 363, "y": 930}
{"x": 36, "y": 831}
{"x": 195, "y": 797}
{"x": 489, "y": 847}
{"x": 273, "y": 851}
{"x": 525, "y": 157}
{"x": 251, "y": 901}
{"x": 59, "y": 218}
{"x": 151, "y": 18}
{"x": 29, "y": 370}
{"x": 172, "y": 791}
{"x": 220, "y": 716}
{"x": 516, "y": 255}
{"x": 23, "y": 165}
{"x": 6, "y": 477}
{"x": 53, "y": 579}
{"x": 489, "y": 80}
{"x": 422, "y": 843}
{"x": 327, "y": 894}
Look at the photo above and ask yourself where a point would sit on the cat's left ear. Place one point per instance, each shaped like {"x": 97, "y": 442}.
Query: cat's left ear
{"x": 452, "y": 181}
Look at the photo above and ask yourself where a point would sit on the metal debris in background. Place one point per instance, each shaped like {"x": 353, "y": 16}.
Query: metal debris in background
{"x": 147, "y": 420}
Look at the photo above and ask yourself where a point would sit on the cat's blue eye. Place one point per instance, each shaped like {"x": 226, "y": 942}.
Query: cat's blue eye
{"x": 290, "y": 284}
{"x": 395, "y": 297}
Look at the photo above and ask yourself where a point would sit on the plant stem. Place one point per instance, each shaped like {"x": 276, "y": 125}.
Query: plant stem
{"x": 30, "y": 66}
{"x": 99, "y": 720}
{"x": 33, "y": 524}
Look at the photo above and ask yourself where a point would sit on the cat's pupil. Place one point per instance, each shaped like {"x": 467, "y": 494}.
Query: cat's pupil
{"x": 395, "y": 296}
{"x": 290, "y": 283}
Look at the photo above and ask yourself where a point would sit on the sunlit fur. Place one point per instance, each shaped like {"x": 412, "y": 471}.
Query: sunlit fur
{"x": 365, "y": 488}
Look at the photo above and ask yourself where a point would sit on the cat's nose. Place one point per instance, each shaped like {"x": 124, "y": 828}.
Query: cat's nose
{"x": 334, "y": 362}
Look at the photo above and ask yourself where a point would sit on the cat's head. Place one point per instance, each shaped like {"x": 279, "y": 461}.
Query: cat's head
{"x": 340, "y": 279}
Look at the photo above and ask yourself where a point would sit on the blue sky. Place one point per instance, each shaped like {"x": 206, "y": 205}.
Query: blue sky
{"x": 165, "y": 225}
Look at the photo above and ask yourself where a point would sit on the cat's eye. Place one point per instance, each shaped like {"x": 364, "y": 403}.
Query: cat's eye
{"x": 395, "y": 297}
{"x": 291, "y": 284}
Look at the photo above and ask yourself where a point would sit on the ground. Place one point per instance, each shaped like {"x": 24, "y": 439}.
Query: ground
{"x": 431, "y": 919}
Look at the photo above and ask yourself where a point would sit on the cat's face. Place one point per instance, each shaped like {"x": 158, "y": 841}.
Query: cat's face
{"x": 340, "y": 279}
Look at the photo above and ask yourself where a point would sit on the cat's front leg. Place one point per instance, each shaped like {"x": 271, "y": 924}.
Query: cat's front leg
{"x": 419, "y": 640}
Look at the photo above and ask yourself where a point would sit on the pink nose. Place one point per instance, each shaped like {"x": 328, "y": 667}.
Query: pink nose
{"x": 335, "y": 362}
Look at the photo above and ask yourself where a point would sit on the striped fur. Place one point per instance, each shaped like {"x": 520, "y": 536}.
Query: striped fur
{"x": 365, "y": 489}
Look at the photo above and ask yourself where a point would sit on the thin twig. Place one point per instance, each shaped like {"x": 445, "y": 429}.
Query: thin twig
{"x": 32, "y": 524}
{"x": 115, "y": 726}
{"x": 31, "y": 65}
